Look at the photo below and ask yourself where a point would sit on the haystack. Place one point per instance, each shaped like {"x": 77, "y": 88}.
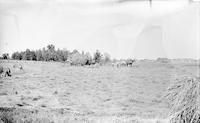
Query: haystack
{"x": 184, "y": 99}
{"x": 18, "y": 66}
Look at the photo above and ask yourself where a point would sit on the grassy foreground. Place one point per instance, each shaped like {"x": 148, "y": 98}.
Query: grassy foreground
{"x": 48, "y": 92}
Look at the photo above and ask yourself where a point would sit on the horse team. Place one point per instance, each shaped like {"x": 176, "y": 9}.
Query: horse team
{"x": 124, "y": 63}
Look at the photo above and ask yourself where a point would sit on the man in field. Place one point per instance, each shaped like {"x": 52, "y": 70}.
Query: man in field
{"x": 5, "y": 71}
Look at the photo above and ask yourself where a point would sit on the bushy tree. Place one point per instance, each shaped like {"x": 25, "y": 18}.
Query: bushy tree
{"x": 51, "y": 47}
{"x": 97, "y": 56}
{"x": 50, "y": 53}
{"x": 28, "y": 55}
{"x": 62, "y": 54}
{"x": 17, "y": 55}
{"x": 14, "y": 55}
{"x": 78, "y": 59}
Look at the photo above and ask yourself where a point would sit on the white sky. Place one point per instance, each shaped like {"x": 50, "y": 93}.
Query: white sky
{"x": 132, "y": 29}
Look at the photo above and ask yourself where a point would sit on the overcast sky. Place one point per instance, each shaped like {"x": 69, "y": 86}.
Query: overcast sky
{"x": 169, "y": 28}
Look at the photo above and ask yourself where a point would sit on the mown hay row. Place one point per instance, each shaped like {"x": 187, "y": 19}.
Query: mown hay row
{"x": 184, "y": 99}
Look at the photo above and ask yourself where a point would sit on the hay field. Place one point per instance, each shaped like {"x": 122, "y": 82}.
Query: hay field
{"x": 51, "y": 92}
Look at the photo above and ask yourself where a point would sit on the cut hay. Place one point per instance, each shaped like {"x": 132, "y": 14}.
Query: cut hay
{"x": 184, "y": 100}
{"x": 18, "y": 66}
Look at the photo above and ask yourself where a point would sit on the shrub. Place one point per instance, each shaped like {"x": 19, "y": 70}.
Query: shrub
{"x": 97, "y": 56}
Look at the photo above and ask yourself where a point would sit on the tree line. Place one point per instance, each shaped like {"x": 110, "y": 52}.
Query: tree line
{"x": 51, "y": 54}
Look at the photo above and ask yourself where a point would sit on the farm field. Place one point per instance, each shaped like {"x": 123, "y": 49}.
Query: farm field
{"x": 56, "y": 92}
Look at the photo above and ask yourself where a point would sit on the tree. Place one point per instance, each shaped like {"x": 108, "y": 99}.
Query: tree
{"x": 97, "y": 56}
{"x": 65, "y": 54}
{"x": 107, "y": 58}
{"x": 13, "y": 56}
{"x": 5, "y": 56}
{"x": 17, "y": 55}
{"x": 74, "y": 51}
{"x": 44, "y": 56}
{"x": 21, "y": 55}
{"x": 51, "y": 47}
{"x": 88, "y": 58}
{"x": 38, "y": 54}
{"x": 62, "y": 54}
{"x": 78, "y": 59}
{"x": 50, "y": 54}
{"x": 27, "y": 55}
{"x": 33, "y": 55}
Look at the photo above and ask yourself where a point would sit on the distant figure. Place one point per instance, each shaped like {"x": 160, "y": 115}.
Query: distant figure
{"x": 7, "y": 72}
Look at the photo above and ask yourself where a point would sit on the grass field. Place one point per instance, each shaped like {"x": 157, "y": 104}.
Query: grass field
{"x": 55, "y": 92}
